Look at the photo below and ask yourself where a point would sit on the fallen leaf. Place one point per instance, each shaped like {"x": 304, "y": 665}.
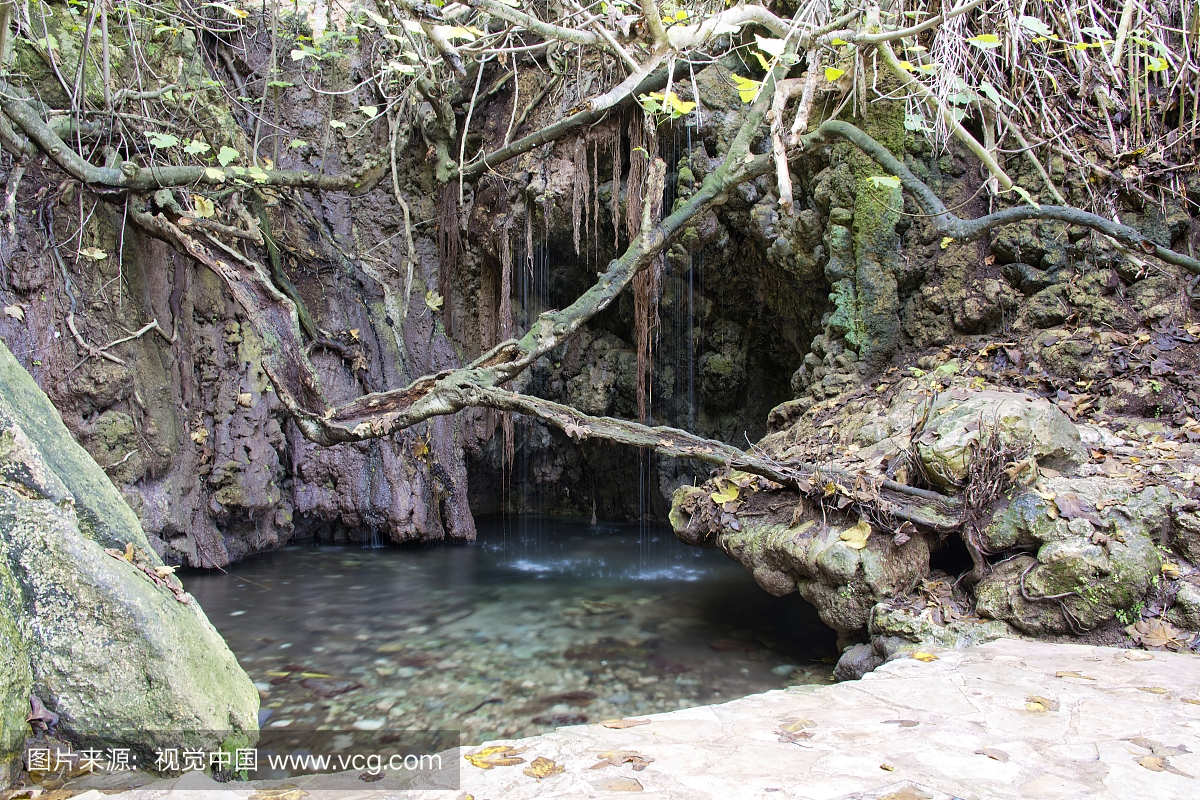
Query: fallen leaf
{"x": 94, "y": 253}
{"x": 1035, "y": 707}
{"x": 921, "y": 655}
{"x": 857, "y": 536}
{"x": 1153, "y": 763}
{"x": 1152, "y": 689}
{"x": 542, "y": 768}
{"x": 993, "y": 753}
{"x": 798, "y": 725}
{"x": 624, "y": 723}
{"x": 497, "y": 755}
{"x": 726, "y": 495}
{"x": 1157, "y": 634}
{"x": 887, "y": 768}
{"x": 16, "y": 311}
{"x": 1049, "y": 704}
{"x": 615, "y": 758}
{"x": 245, "y": 399}
{"x": 1072, "y": 674}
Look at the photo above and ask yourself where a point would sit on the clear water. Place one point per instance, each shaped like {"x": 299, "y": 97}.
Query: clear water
{"x": 541, "y": 623}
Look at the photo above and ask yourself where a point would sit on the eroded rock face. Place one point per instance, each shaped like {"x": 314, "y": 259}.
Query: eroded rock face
{"x": 1095, "y": 554}
{"x": 116, "y": 654}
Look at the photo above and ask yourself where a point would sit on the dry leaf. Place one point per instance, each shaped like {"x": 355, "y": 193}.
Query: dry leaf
{"x": 1152, "y": 689}
{"x": 1153, "y": 763}
{"x": 993, "y": 753}
{"x": 245, "y": 399}
{"x": 1073, "y": 674}
{"x": 1047, "y": 703}
{"x": 16, "y": 311}
{"x": 1035, "y": 707}
{"x": 1157, "y": 634}
{"x": 285, "y": 792}
{"x": 887, "y": 768}
{"x": 615, "y": 758}
{"x": 200, "y": 435}
{"x": 857, "y": 536}
{"x": 542, "y": 768}
{"x": 497, "y": 755}
{"x": 921, "y": 655}
{"x": 798, "y": 725}
{"x": 624, "y": 723}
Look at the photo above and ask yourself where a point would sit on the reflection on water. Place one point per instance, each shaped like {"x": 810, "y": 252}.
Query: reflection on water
{"x": 542, "y": 622}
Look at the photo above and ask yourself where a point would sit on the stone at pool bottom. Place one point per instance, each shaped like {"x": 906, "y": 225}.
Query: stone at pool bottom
{"x": 964, "y": 702}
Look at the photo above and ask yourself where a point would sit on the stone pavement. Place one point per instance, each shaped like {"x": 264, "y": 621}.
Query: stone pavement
{"x": 1008, "y": 719}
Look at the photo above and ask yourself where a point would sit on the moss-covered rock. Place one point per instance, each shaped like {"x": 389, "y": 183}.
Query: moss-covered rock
{"x": 841, "y": 580}
{"x": 116, "y": 653}
{"x": 955, "y": 428}
{"x": 1095, "y": 554}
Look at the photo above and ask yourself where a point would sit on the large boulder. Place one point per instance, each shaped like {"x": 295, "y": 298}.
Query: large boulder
{"x": 958, "y": 420}
{"x": 1094, "y": 554}
{"x": 89, "y": 621}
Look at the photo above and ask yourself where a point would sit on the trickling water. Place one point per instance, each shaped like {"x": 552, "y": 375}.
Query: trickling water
{"x": 513, "y": 635}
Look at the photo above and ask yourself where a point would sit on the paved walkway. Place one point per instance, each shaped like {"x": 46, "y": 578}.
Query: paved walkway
{"x": 1009, "y": 719}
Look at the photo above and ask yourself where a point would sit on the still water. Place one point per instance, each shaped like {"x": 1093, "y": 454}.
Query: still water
{"x": 542, "y": 622}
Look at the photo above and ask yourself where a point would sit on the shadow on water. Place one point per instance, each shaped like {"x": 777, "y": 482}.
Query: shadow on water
{"x": 541, "y": 622}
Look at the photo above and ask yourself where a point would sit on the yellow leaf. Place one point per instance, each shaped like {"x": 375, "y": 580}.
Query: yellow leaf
{"x": 1170, "y": 570}
{"x": 128, "y": 552}
{"x": 747, "y": 89}
{"x": 497, "y": 755}
{"x": 887, "y": 768}
{"x": 726, "y": 495}
{"x": 434, "y": 301}
{"x": 624, "y": 723}
{"x": 946, "y": 242}
{"x": 1035, "y": 707}
{"x": 200, "y": 435}
{"x": 314, "y": 675}
{"x": 857, "y": 536}
{"x": 921, "y": 655}
{"x": 1152, "y": 689}
{"x": 94, "y": 253}
{"x": 542, "y": 768}
{"x": 833, "y": 73}
{"x": 204, "y": 207}
{"x": 354, "y": 334}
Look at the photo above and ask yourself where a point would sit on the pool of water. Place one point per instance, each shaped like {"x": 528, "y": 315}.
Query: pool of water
{"x": 540, "y": 623}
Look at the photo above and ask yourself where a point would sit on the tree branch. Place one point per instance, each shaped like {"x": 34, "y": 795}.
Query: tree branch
{"x": 966, "y": 230}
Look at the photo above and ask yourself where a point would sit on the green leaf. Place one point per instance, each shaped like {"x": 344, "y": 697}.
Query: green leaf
{"x": 1036, "y": 26}
{"x": 838, "y": 42}
{"x": 297, "y": 143}
{"x": 161, "y": 139}
{"x": 946, "y": 242}
{"x": 989, "y": 91}
{"x": 1026, "y": 196}
{"x": 49, "y": 43}
{"x": 747, "y": 89}
{"x": 914, "y": 122}
{"x": 885, "y": 181}
{"x": 227, "y": 155}
{"x": 195, "y": 147}
{"x": 985, "y": 41}
{"x": 94, "y": 253}
{"x": 833, "y": 73}
{"x": 369, "y": 111}
{"x": 214, "y": 174}
{"x": 1156, "y": 64}
{"x": 257, "y": 174}
{"x": 336, "y": 123}
{"x": 299, "y": 55}
{"x": 280, "y": 84}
